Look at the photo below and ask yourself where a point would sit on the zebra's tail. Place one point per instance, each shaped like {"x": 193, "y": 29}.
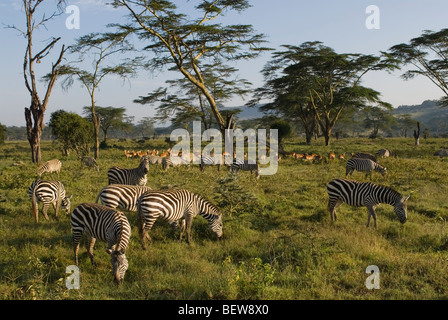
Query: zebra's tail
{"x": 97, "y": 198}
{"x": 34, "y": 205}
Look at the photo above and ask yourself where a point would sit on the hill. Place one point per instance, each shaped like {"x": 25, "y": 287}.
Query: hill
{"x": 429, "y": 113}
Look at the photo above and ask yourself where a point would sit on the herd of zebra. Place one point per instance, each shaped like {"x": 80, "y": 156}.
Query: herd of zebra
{"x": 127, "y": 190}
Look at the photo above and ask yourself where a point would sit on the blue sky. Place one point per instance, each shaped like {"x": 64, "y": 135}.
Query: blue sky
{"x": 338, "y": 24}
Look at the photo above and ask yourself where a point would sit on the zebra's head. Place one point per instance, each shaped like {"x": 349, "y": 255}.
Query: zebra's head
{"x": 65, "y": 204}
{"x": 215, "y": 225}
{"x": 119, "y": 264}
{"x": 382, "y": 170}
{"x": 144, "y": 162}
{"x": 400, "y": 209}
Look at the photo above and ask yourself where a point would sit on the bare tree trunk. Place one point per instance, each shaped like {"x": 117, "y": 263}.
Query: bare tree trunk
{"x": 417, "y": 134}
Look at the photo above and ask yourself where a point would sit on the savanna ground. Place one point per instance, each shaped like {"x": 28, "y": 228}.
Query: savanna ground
{"x": 279, "y": 242}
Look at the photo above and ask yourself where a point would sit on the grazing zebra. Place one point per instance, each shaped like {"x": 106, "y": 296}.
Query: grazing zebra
{"x": 210, "y": 161}
{"x": 90, "y": 162}
{"x": 48, "y": 192}
{"x": 386, "y": 153}
{"x": 365, "y": 165}
{"x": 238, "y": 164}
{"x": 168, "y": 162}
{"x": 364, "y": 194}
{"x": 136, "y": 176}
{"x": 173, "y": 205}
{"x": 121, "y": 196}
{"x": 106, "y": 224}
{"x": 155, "y": 160}
{"x": 50, "y": 166}
{"x": 364, "y": 155}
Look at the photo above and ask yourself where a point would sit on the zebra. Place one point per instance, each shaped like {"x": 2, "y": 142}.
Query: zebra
{"x": 174, "y": 205}
{"x": 90, "y": 162}
{"x": 364, "y": 155}
{"x": 48, "y": 192}
{"x": 173, "y": 161}
{"x": 210, "y": 161}
{"x": 136, "y": 176}
{"x": 106, "y": 224}
{"x": 386, "y": 153}
{"x": 155, "y": 160}
{"x": 245, "y": 165}
{"x": 365, "y": 165}
{"x": 121, "y": 196}
{"x": 50, "y": 166}
{"x": 365, "y": 194}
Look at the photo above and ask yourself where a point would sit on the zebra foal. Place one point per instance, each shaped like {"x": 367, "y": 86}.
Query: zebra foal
{"x": 136, "y": 176}
{"x": 106, "y": 224}
{"x": 172, "y": 206}
{"x": 48, "y": 192}
{"x": 364, "y": 165}
{"x": 121, "y": 196}
{"x": 245, "y": 165}
{"x": 364, "y": 194}
{"x": 50, "y": 166}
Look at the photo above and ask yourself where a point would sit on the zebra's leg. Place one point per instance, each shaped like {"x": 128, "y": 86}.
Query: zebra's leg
{"x": 45, "y": 209}
{"x": 76, "y": 240}
{"x": 90, "y": 243}
{"x": 371, "y": 214}
{"x": 332, "y": 207}
{"x": 188, "y": 223}
{"x": 57, "y": 208}
{"x": 182, "y": 229}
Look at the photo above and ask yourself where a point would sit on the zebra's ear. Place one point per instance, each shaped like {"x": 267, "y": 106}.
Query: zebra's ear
{"x": 70, "y": 197}
{"x": 405, "y": 198}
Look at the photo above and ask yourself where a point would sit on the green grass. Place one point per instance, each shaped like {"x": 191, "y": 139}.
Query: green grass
{"x": 278, "y": 244}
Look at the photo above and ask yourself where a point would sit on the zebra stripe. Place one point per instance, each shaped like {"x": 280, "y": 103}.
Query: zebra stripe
{"x": 245, "y": 165}
{"x": 365, "y": 165}
{"x": 210, "y": 161}
{"x": 121, "y": 196}
{"x": 364, "y": 155}
{"x": 136, "y": 176}
{"x": 106, "y": 224}
{"x": 173, "y": 161}
{"x": 173, "y": 205}
{"x": 364, "y": 194}
{"x": 90, "y": 162}
{"x": 50, "y": 167}
{"x": 48, "y": 192}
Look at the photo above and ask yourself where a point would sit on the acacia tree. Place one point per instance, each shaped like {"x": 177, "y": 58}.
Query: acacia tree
{"x": 324, "y": 80}
{"x": 100, "y": 48}
{"x": 182, "y": 102}
{"x": 185, "y": 43}
{"x": 111, "y": 117}
{"x": 34, "y": 114}
{"x": 428, "y": 56}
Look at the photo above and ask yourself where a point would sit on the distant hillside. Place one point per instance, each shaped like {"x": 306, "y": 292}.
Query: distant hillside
{"x": 247, "y": 113}
{"x": 429, "y": 113}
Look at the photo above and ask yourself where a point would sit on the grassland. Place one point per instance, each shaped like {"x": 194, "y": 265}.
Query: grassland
{"x": 278, "y": 241}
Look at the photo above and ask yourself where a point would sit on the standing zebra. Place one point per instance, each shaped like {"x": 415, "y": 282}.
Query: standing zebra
{"x": 136, "y": 176}
{"x": 50, "y": 166}
{"x": 364, "y": 194}
{"x": 238, "y": 164}
{"x": 105, "y": 224}
{"x": 90, "y": 162}
{"x": 48, "y": 192}
{"x": 121, "y": 196}
{"x": 365, "y": 165}
{"x": 173, "y": 205}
